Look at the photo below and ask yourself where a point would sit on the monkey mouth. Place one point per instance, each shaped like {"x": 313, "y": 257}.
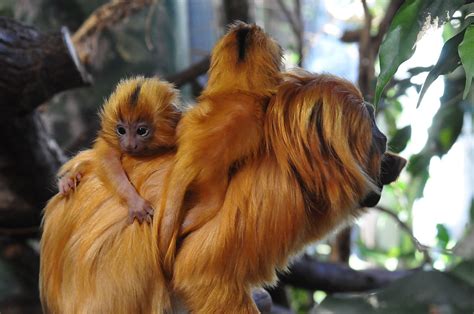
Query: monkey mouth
{"x": 391, "y": 167}
{"x": 134, "y": 152}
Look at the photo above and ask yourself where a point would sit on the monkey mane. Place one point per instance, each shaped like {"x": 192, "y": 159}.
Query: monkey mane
{"x": 320, "y": 131}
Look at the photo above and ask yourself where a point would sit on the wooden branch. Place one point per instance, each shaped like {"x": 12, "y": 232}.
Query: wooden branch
{"x": 191, "y": 73}
{"x": 366, "y": 55}
{"x": 296, "y": 23}
{"x": 104, "y": 17}
{"x": 35, "y": 66}
{"x": 236, "y": 10}
{"x": 419, "y": 247}
{"x": 30, "y": 159}
{"x": 313, "y": 275}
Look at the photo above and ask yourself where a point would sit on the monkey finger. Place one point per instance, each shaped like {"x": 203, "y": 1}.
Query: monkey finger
{"x": 150, "y": 210}
{"x": 63, "y": 187}
{"x": 141, "y": 217}
{"x": 71, "y": 183}
{"x": 130, "y": 219}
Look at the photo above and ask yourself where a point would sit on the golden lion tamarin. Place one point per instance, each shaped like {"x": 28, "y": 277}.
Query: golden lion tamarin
{"x": 322, "y": 158}
{"x": 139, "y": 120}
{"x": 222, "y": 130}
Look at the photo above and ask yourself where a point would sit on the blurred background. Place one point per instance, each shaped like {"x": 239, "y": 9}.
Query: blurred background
{"x": 413, "y": 253}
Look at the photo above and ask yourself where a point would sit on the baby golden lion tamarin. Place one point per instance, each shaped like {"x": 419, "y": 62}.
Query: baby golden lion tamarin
{"x": 223, "y": 129}
{"x": 139, "y": 120}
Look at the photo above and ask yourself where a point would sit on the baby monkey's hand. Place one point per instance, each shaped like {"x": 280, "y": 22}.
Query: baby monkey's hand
{"x": 140, "y": 209}
{"x": 68, "y": 182}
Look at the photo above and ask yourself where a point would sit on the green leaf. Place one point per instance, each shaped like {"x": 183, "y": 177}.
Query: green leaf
{"x": 419, "y": 163}
{"x": 399, "y": 141}
{"x": 409, "y": 22}
{"x": 448, "y": 61}
{"x": 445, "y": 128}
{"x": 442, "y": 235}
{"x": 466, "y": 53}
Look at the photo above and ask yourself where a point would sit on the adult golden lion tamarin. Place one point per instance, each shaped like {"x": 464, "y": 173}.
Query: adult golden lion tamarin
{"x": 322, "y": 158}
{"x": 139, "y": 120}
{"x": 224, "y": 129}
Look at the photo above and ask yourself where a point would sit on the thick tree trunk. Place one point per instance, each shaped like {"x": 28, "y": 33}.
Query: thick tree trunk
{"x": 35, "y": 66}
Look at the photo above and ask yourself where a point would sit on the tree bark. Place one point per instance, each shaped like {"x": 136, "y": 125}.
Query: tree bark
{"x": 236, "y": 10}
{"x": 313, "y": 275}
{"x": 35, "y": 66}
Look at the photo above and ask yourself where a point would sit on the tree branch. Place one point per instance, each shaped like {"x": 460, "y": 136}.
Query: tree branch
{"x": 296, "y": 23}
{"x": 38, "y": 66}
{"x": 420, "y": 247}
{"x": 107, "y": 15}
{"x": 188, "y": 75}
{"x": 310, "y": 274}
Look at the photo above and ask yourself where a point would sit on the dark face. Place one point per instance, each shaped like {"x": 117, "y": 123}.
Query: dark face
{"x": 134, "y": 137}
{"x": 391, "y": 164}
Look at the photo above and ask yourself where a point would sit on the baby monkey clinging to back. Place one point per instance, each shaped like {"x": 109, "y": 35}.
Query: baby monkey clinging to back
{"x": 221, "y": 131}
{"x": 139, "y": 120}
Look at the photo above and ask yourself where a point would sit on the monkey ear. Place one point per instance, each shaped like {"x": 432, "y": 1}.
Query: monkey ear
{"x": 392, "y": 165}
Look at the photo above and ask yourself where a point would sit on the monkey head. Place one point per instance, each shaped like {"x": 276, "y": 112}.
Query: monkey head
{"x": 245, "y": 59}
{"x": 140, "y": 117}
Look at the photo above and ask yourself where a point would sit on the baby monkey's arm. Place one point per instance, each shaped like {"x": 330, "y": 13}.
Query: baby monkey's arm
{"x": 111, "y": 172}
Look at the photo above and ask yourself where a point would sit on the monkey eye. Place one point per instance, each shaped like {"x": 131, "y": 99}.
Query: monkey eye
{"x": 142, "y": 131}
{"x": 121, "y": 130}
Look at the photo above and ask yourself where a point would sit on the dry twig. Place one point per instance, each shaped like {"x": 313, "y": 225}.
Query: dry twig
{"x": 86, "y": 37}
{"x": 296, "y": 23}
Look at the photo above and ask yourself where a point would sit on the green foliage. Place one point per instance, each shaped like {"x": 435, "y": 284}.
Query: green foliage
{"x": 406, "y": 28}
{"x": 466, "y": 53}
{"x": 448, "y": 61}
{"x": 301, "y": 300}
{"x": 442, "y": 236}
{"x": 399, "y": 140}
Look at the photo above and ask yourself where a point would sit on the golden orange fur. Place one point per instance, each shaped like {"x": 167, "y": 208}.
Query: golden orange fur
{"x": 221, "y": 131}
{"x": 139, "y": 102}
{"x": 320, "y": 157}
{"x": 321, "y": 161}
{"x": 136, "y": 99}
{"x": 92, "y": 259}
